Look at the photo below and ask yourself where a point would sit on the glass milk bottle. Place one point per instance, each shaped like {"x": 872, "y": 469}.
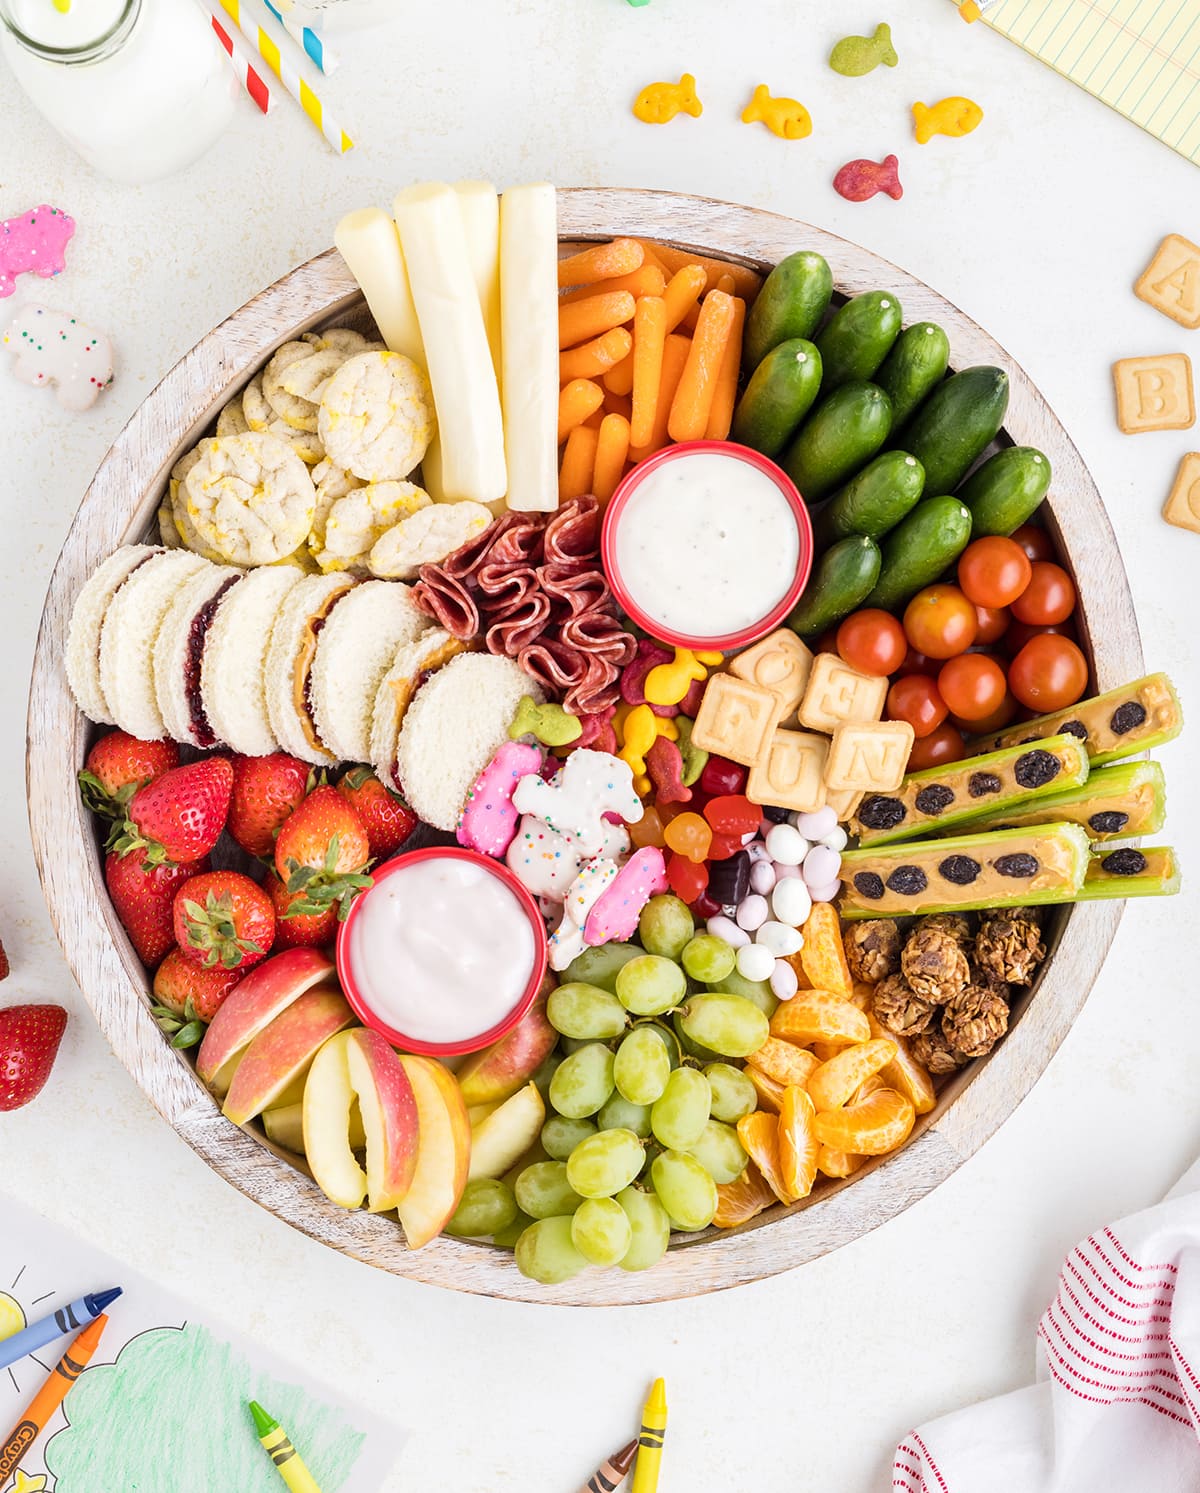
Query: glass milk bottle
{"x": 139, "y": 88}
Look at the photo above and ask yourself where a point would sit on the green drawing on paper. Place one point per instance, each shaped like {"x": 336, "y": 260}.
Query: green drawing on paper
{"x": 171, "y": 1414}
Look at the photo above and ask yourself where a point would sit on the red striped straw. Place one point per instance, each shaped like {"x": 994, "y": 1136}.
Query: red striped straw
{"x": 252, "y": 81}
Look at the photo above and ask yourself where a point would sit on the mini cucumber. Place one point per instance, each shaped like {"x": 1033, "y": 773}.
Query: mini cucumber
{"x": 840, "y": 436}
{"x": 791, "y": 303}
{"x": 1006, "y": 489}
{"x": 955, "y": 423}
{"x": 780, "y": 393}
{"x": 857, "y": 337}
{"x": 875, "y": 500}
{"x": 919, "y": 549}
{"x": 915, "y": 366}
{"x": 844, "y": 576}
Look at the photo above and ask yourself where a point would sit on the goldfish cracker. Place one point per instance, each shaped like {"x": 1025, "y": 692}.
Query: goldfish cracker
{"x": 770, "y": 1093}
{"x": 601, "y": 262}
{"x": 667, "y": 684}
{"x": 579, "y": 399}
{"x": 664, "y": 725}
{"x": 954, "y": 116}
{"x": 612, "y": 452}
{"x": 595, "y": 357}
{"x": 785, "y": 1062}
{"x": 833, "y": 1083}
{"x": 837, "y": 1164}
{"x": 619, "y": 378}
{"x": 658, "y": 103}
{"x": 746, "y": 280}
{"x": 759, "y": 1135}
{"x": 855, "y": 56}
{"x": 578, "y": 463}
{"x": 549, "y": 724}
{"x": 649, "y": 280}
{"x": 819, "y": 1016}
{"x": 664, "y": 768}
{"x": 688, "y": 418}
{"x": 798, "y": 1144}
{"x": 688, "y": 835}
{"x": 583, "y": 320}
{"x": 785, "y": 117}
{"x": 695, "y": 758}
{"x": 823, "y": 953}
{"x": 638, "y": 733}
{"x": 649, "y": 340}
{"x": 873, "y": 1128}
{"x": 740, "y": 1201}
{"x": 674, "y": 357}
{"x": 859, "y": 180}
{"x": 720, "y": 416}
{"x": 620, "y": 716}
{"x": 683, "y": 292}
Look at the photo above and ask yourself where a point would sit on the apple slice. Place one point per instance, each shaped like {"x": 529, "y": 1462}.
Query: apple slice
{"x": 444, "y": 1155}
{"x": 260, "y": 998}
{"x": 477, "y": 1113}
{"x": 388, "y": 1116}
{"x": 328, "y": 1097}
{"x": 504, "y": 1136}
{"x": 496, "y": 1073}
{"x": 284, "y": 1125}
{"x": 283, "y": 1050}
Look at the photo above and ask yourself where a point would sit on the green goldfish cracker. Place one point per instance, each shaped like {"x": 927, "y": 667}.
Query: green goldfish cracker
{"x": 1115, "y": 803}
{"x": 1149, "y": 872}
{"x": 694, "y": 758}
{"x": 855, "y": 56}
{"x": 550, "y": 724}
{"x": 1120, "y": 723}
{"x": 993, "y": 784}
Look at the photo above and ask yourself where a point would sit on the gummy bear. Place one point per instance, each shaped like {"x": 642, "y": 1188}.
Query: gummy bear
{"x": 688, "y": 835}
{"x": 648, "y": 830}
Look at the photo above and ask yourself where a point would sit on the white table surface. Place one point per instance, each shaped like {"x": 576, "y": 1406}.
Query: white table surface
{"x": 1036, "y": 225}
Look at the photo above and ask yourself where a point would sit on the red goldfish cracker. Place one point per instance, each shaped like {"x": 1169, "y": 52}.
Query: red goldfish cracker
{"x": 578, "y": 464}
{"x": 823, "y": 955}
{"x": 837, "y": 1164}
{"x": 873, "y": 1128}
{"x": 683, "y": 292}
{"x": 579, "y": 399}
{"x": 798, "y": 1144}
{"x": 834, "y": 1082}
{"x": 601, "y": 262}
{"x": 649, "y": 280}
{"x": 746, "y": 281}
{"x": 580, "y": 321}
{"x": 593, "y": 358}
{"x": 612, "y": 452}
{"x": 649, "y": 342}
{"x": 720, "y": 416}
{"x": 784, "y": 1062}
{"x": 769, "y": 1091}
{"x": 759, "y": 1135}
{"x": 819, "y": 1016}
{"x": 859, "y": 180}
{"x": 675, "y": 353}
{"x": 904, "y": 1073}
{"x": 693, "y": 399}
{"x": 740, "y": 1201}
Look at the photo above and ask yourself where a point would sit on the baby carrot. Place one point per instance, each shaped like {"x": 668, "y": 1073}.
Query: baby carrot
{"x": 601, "y": 262}
{"x": 652, "y": 257}
{"x": 595, "y": 357}
{"x": 619, "y": 378}
{"x": 746, "y": 281}
{"x": 690, "y": 317}
{"x": 727, "y": 284}
{"x": 594, "y": 420}
{"x": 720, "y": 417}
{"x": 576, "y": 402}
{"x": 612, "y": 450}
{"x": 697, "y": 389}
{"x": 583, "y": 320}
{"x": 683, "y": 291}
{"x": 617, "y": 404}
{"x": 649, "y": 334}
{"x": 578, "y": 464}
{"x": 648, "y": 280}
{"x": 675, "y": 354}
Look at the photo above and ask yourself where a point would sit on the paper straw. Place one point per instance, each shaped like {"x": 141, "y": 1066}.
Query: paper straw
{"x": 295, "y": 83}
{"x": 306, "y": 37}
{"x": 251, "y": 80}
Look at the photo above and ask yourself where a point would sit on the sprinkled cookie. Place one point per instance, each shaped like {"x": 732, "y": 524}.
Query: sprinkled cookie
{"x": 34, "y": 244}
{"x": 488, "y": 821}
{"x": 250, "y": 498}
{"x": 376, "y": 416}
{"x": 59, "y": 351}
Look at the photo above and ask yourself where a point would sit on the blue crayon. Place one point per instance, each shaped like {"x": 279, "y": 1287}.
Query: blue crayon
{"x": 66, "y": 1319}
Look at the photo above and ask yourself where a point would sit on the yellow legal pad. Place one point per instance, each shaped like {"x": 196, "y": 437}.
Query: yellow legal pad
{"x": 1141, "y": 57}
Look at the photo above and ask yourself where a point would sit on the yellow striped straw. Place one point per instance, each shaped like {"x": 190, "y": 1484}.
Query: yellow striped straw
{"x": 291, "y": 78}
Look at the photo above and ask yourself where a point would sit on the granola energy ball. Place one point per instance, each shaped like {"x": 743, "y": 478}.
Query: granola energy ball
{"x": 931, "y": 1049}
{"x": 953, "y": 923}
{"x": 1009, "y": 946}
{"x": 873, "y": 949}
{"x": 900, "y": 1010}
{"x": 974, "y": 1021}
{"x": 933, "y": 962}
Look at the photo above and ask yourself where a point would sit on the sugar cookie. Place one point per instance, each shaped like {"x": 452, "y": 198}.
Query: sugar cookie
{"x": 427, "y": 537}
{"x": 354, "y": 522}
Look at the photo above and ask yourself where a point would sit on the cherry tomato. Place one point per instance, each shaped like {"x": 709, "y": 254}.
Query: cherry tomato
{"x": 940, "y": 746}
{"x": 1036, "y": 543}
{"x": 872, "y": 641}
{"x": 972, "y": 685}
{"x": 993, "y": 623}
{"x": 993, "y": 571}
{"x": 1049, "y": 673}
{"x": 920, "y": 663}
{"x": 940, "y": 621}
{"x": 827, "y": 642}
{"x": 1049, "y": 596}
{"x": 1019, "y": 633}
{"x": 915, "y": 698}
{"x": 1004, "y": 715}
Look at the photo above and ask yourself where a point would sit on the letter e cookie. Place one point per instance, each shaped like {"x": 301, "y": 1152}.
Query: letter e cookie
{"x": 1182, "y": 507}
{"x": 1154, "y": 393}
{"x": 837, "y": 693}
{"x": 1171, "y": 281}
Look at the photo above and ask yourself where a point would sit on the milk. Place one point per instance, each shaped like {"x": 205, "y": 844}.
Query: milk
{"x": 139, "y": 88}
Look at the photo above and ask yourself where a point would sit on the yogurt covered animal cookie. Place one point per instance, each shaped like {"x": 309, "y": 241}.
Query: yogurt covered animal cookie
{"x": 354, "y": 522}
{"x": 250, "y": 498}
{"x": 376, "y": 416}
{"x": 58, "y": 350}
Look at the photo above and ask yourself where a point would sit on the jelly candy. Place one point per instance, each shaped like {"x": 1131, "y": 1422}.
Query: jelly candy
{"x": 785, "y": 117}
{"x": 952, "y": 116}
{"x": 658, "y": 103}
{"x": 732, "y": 814}
{"x": 648, "y": 830}
{"x": 689, "y": 835}
{"x": 705, "y": 906}
{"x": 720, "y": 775}
{"x": 664, "y": 767}
{"x": 861, "y": 179}
{"x": 669, "y": 683}
{"x": 729, "y": 880}
{"x": 686, "y": 878}
{"x": 721, "y": 847}
{"x": 550, "y": 724}
{"x": 855, "y": 56}
{"x": 648, "y": 656}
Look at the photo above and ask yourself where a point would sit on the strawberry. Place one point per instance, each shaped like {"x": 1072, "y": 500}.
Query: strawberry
{"x": 300, "y": 923}
{"x": 265, "y": 791}
{"x": 385, "y": 816}
{"x": 117, "y": 766}
{"x": 3, "y": 963}
{"x": 142, "y": 898}
{"x": 180, "y": 815}
{"x": 29, "y": 1038}
{"x": 189, "y": 997}
{"x": 323, "y": 851}
{"x": 223, "y": 918}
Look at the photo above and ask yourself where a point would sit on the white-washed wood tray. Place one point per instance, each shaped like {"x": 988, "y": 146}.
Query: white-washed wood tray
{"x": 118, "y": 508}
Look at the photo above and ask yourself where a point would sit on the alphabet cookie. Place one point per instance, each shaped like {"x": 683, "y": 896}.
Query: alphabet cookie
{"x": 55, "y": 349}
{"x": 1154, "y": 393}
{"x": 1171, "y": 281}
{"x": 34, "y": 244}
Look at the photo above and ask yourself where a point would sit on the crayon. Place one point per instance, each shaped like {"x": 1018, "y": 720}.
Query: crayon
{"x": 67, "y": 1318}
{"x": 608, "y": 1478}
{"x": 275, "y": 1440}
{"x": 41, "y": 1408}
{"x": 650, "y": 1440}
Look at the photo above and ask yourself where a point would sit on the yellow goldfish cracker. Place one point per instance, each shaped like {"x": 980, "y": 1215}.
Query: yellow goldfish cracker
{"x": 232, "y": 419}
{"x": 784, "y": 1062}
{"x": 837, "y": 1164}
{"x": 819, "y": 1016}
{"x": 798, "y": 1144}
{"x": 740, "y": 1201}
{"x": 354, "y": 522}
{"x": 873, "y": 1128}
{"x": 376, "y": 416}
{"x": 785, "y": 117}
{"x": 834, "y": 1082}
{"x": 759, "y": 1135}
{"x": 954, "y": 116}
{"x": 822, "y": 954}
{"x": 250, "y": 498}
{"x": 658, "y": 103}
{"x": 300, "y": 414}
{"x": 426, "y": 537}
{"x": 263, "y": 420}
{"x": 770, "y": 1093}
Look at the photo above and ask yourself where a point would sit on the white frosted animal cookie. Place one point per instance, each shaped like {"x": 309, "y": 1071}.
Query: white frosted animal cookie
{"x": 56, "y": 350}
{"x": 250, "y": 498}
{"x": 426, "y": 538}
{"x": 262, "y": 418}
{"x": 592, "y": 784}
{"x": 232, "y": 419}
{"x": 299, "y": 413}
{"x": 355, "y": 522}
{"x": 376, "y": 416}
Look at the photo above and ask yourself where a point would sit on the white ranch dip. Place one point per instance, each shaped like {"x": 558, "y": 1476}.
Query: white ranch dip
{"x": 441, "y": 950}
{"x": 707, "y": 545}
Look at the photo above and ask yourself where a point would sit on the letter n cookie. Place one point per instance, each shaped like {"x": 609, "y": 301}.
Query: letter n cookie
{"x": 838, "y": 693}
{"x": 870, "y": 756}
{"x": 735, "y": 719}
{"x": 789, "y": 775}
{"x": 1154, "y": 393}
{"x": 1182, "y": 507}
{"x": 1171, "y": 281}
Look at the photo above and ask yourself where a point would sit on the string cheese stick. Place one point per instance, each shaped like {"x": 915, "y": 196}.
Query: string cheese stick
{"x": 480, "y": 206}
{"x": 370, "y": 245}
{"x": 529, "y": 344}
{"x": 465, "y": 395}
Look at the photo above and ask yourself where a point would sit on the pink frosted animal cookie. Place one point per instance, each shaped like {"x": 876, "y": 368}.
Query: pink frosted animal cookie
{"x": 33, "y": 244}
{"x": 614, "y": 917}
{"x": 489, "y": 821}
{"x": 590, "y": 785}
{"x": 567, "y": 941}
{"x": 55, "y": 349}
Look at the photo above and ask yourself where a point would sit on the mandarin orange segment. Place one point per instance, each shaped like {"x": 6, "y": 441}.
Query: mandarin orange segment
{"x": 819, "y": 1016}
{"x": 784, "y": 1062}
{"x": 863, "y": 996}
{"x": 739, "y": 1201}
{"x": 873, "y": 1128}
{"x": 823, "y": 956}
{"x": 770, "y": 1093}
{"x": 904, "y": 1073}
{"x": 832, "y": 1084}
{"x": 759, "y": 1135}
{"x": 870, "y": 1086}
{"x": 831, "y": 1163}
{"x": 823, "y": 1051}
{"x": 798, "y": 1144}
{"x": 797, "y": 963}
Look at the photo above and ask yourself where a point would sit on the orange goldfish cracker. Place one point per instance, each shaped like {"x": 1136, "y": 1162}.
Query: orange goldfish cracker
{"x": 698, "y": 386}
{"x": 819, "y": 1016}
{"x": 831, "y": 1163}
{"x": 745, "y": 280}
{"x": 740, "y": 1201}
{"x": 823, "y": 955}
{"x": 578, "y": 464}
{"x": 720, "y": 417}
{"x": 618, "y": 404}
{"x": 834, "y": 1082}
{"x": 770, "y": 1093}
{"x": 649, "y": 340}
{"x": 593, "y": 358}
{"x": 798, "y": 1144}
{"x": 683, "y": 292}
{"x": 649, "y": 280}
{"x": 612, "y": 452}
{"x": 759, "y": 1135}
{"x": 873, "y": 1128}
{"x": 601, "y": 262}
{"x": 619, "y": 378}
{"x": 785, "y": 1062}
{"x": 904, "y": 1073}
{"x": 674, "y": 357}
{"x": 583, "y": 320}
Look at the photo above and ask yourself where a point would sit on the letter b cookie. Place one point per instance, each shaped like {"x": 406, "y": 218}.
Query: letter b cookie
{"x": 1154, "y": 393}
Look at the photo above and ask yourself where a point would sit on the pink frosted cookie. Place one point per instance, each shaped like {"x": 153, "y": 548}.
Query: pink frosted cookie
{"x": 488, "y": 821}
{"x": 590, "y": 785}
{"x": 34, "y": 244}
{"x": 567, "y": 941}
{"x": 55, "y": 349}
{"x": 614, "y": 917}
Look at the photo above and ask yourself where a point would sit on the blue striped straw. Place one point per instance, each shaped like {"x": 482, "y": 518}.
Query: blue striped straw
{"x": 305, "y": 37}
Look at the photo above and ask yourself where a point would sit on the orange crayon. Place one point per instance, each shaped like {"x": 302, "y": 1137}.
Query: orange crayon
{"x": 40, "y": 1410}
{"x": 608, "y": 1478}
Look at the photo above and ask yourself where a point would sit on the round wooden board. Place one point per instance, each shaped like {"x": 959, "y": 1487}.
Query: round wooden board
{"x": 118, "y": 508}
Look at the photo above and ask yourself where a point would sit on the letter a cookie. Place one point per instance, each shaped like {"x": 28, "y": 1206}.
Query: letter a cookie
{"x": 1171, "y": 281}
